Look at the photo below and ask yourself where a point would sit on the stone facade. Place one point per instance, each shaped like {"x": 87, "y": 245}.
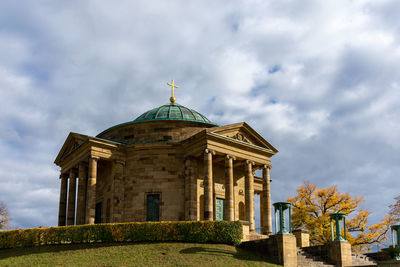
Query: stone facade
{"x": 190, "y": 170}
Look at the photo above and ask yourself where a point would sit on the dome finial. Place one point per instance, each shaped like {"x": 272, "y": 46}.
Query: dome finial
{"x": 172, "y": 98}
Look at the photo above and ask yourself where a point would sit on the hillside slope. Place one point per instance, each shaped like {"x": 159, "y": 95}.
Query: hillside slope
{"x": 149, "y": 254}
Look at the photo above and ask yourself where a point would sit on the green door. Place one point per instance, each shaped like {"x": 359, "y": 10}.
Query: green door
{"x": 219, "y": 209}
{"x": 153, "y": 207}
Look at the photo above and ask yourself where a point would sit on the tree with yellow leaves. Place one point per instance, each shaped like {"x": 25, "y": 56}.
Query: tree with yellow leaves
{"x": 4, "y": 216}
{"x": 394, "y": 213}
{"x": 311, "y": 209}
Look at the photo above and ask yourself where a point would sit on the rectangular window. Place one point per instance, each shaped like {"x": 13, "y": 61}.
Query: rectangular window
{"x": 220, "y": 209}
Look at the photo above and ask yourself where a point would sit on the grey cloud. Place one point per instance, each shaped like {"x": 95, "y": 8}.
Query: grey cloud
{"x": 331, "y": 109}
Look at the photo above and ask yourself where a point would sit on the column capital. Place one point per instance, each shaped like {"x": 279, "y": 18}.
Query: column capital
{"x": 249, "y": 162}
{"x": 265, "y": 166}
{"x": 206, "y": 151}
{"x": 94, "y": 157}
{"x": 190, "y": 157}
{"x": 230, "y": 157}
{"x": 83, "y": 163}
{"x": 117, "y": 161}
{"x": 73, "y": 172}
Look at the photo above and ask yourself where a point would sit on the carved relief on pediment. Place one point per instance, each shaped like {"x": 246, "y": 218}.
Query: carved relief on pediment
{"x": 241, "y": 137}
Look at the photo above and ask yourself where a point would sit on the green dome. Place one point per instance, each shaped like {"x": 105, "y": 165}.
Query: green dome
{"x": 173, "y": 112}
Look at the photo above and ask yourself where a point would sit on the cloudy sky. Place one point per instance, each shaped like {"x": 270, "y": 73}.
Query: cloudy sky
{"x": 319, "y": 80}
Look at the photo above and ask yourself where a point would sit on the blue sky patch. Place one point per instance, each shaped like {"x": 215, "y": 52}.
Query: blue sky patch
{"x": 274, "y": 69}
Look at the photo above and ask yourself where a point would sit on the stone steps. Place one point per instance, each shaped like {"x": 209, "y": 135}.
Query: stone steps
{"x": 305, "y": 259}
{"x": 362, "y": 260}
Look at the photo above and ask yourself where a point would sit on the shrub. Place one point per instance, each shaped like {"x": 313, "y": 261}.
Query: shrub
{"x": 394, "y": 252}
{"x": 191, "y": 231}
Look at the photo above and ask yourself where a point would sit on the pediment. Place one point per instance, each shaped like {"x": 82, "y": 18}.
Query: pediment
{"x": 72, "y": 142}
{"x": 244, "y": 133}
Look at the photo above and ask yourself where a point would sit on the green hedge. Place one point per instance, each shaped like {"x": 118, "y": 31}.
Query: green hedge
{"x": 192, "y": 231}
{"x": 394, "y": 252}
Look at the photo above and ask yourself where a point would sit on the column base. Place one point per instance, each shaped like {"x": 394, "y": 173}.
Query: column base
{"x": 208, "y": 216}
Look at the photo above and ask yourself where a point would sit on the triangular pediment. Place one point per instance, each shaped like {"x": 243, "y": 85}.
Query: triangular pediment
{"x": 73, "y": 141}
{"x": 244, "y": 133}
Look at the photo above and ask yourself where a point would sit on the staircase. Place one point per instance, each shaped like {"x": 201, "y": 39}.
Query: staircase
{"x": 305, "y": 259}
{"x": 309, "y": 257}
{"x": 362, "y": 260}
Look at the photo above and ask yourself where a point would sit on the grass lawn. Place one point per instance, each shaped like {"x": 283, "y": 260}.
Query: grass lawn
{"x": 122, "y": 254}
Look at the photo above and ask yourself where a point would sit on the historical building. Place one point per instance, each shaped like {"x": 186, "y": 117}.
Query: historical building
{"x": 169, "y": 164}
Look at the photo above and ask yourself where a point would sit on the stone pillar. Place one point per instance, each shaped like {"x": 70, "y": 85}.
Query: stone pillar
{"x": 118, "y": 191}
{"x": 229, "y": 193}
{"x": 265, "y": 203}
{"x": 208, "y": 186}
{"x": 71, "y": 197}
{"x": 249, "y": 194}
{"x": 339, "y": 253}
{"x": 287, "y": 250}
{"x": 82, "y": 183}
{"x": 62, "y": 209}
{"x": 302, "y": 238}
{"x": 91, "y": 191}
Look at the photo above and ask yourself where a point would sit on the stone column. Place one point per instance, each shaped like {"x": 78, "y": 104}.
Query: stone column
{"x": 265, "y": 203}
{"x": 81, "y": 205}
{"x": 249, "y": 194}
{"x": 62, "y": 209}
{"x": 118, "y": 191}
{"x": 71, "y": 197}
{"x": 229, "y": 201}
{"x": 188, "y": 195}
{"x": 208, "y": 186}
{"x": 91, "y": 191}
{"x": 191, "y": 189}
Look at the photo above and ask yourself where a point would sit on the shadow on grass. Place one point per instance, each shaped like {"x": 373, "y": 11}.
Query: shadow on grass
{"x": 16, "y": 252}
{"x": 240, "y": 254}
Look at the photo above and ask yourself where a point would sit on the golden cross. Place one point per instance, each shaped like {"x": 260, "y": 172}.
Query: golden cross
{"x": 172, "y": 98}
